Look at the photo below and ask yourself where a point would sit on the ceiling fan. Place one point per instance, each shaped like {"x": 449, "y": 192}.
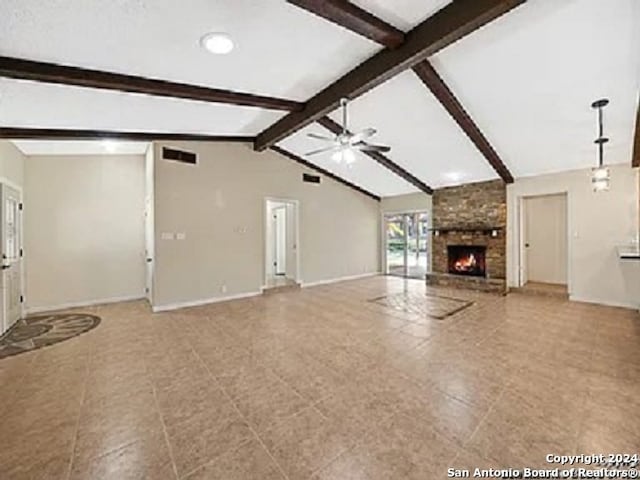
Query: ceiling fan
{"x": 345, "y": 143}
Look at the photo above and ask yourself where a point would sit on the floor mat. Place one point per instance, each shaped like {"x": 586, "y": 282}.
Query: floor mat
{"x": 40, "y": 331}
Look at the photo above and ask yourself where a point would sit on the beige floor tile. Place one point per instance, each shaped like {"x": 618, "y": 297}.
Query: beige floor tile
{"x": 205, "y": 437}
{"x": 305, "y": 443}
{"x": 335, "y": 386}
{"x": 249, "y": 461}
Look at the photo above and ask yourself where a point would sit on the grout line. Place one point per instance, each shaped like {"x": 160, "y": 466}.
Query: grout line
{"x": 164, "y": 426}
{"x": 83, "y": 395}
{"x": 226, "y": 394}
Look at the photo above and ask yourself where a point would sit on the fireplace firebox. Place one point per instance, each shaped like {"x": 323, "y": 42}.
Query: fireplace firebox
{"x": 468, "y": 260}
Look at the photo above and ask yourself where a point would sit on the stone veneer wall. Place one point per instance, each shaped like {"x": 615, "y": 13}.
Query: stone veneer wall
{"x": 481, "y": 205}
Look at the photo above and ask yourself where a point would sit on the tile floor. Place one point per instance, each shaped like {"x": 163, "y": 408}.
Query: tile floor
{"x": 323, "y": 383}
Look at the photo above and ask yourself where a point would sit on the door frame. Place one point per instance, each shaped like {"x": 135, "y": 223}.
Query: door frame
{"x": 383, "y": 235}
{"x": 265, "y": 214}
{"x": 521, "y": 257}
{"x": 17, "y": 188}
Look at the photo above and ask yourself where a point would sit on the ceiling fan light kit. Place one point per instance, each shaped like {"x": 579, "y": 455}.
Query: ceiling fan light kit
{"x": 345, "y": 144}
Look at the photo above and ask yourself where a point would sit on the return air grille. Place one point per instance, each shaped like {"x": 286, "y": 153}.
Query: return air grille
{"x": 179, "y": 156}
{"x": 307, "y": 177}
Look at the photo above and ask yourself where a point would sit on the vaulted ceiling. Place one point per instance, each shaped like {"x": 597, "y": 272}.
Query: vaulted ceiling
{"x": 525, "y": 79}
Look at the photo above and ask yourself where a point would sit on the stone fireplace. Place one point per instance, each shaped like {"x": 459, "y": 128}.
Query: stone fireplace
{"x": 469, "y": 237}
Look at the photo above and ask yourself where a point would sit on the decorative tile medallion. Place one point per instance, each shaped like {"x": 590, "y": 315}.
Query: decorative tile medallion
{"x": 40, "y": 331}
{"x": 434, "y": 306}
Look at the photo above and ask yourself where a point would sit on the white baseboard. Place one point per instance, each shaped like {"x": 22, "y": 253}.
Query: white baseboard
{"x": 339, "y": 279}
{"x": 607, "y": 303}
{"x": 203, "y": 301}
{"x": 85, "y": 303}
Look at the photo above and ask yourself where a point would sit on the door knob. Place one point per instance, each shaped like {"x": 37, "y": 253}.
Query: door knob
{"x": 526, "y": 245}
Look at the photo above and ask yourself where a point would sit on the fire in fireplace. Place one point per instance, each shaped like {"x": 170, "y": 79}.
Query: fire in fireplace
{"x": 467, "y": 260}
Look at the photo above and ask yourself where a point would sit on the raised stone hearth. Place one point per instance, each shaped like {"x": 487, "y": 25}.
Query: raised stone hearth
{"x": 473, "y": 215}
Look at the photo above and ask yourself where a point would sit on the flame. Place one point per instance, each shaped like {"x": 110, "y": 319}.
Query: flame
{"x": 466, "y": 263}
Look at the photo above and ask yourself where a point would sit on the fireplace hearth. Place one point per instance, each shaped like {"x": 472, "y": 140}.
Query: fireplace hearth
{"x": 467, "y": 260}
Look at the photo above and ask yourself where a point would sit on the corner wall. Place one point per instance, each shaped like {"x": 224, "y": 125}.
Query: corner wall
{"x": 598, "y": 222}
{"x": 11, "y": 164}
{"x": 218, "y": 208}
{"x": 84, "y": 230}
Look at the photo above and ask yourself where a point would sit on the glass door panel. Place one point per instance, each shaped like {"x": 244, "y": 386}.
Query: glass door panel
{"x": 407, "y": 238}
{"x": 396, "y": 245}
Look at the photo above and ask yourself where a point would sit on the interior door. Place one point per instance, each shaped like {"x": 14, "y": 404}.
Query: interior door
{"x": 11, "y": 277}
{"x": 280, "y": 232}
{"x": 546, "y": 239}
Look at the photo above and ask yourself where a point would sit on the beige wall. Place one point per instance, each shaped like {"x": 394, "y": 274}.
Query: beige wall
{"x": 84, "y": 229}
{"x": 11, "y": 164}
{"x": 406, "y": 203}
{"x": 597, "y": 223}
{"x": 219, "y": 206}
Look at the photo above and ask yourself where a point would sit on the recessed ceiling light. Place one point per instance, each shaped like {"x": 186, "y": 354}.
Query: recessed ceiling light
{"x": 110, "y": 146}
{"x": 217, "y": 42}
{"x": 453, "y": 176}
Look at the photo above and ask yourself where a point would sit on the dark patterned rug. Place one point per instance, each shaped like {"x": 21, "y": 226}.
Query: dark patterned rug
{"x": 40, "y": 331}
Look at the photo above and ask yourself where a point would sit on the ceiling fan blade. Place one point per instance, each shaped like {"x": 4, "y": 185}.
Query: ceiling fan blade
{"x": 361, "y": 135}
{"x": 320, "y": 137}
{"x": 367, "y": 147}
{"x": 323, "y": 150}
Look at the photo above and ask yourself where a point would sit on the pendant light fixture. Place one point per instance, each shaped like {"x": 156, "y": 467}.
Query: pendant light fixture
{"x": 600, "y": 174}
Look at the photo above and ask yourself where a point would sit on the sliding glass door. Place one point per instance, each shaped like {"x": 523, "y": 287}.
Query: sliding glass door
{"x": 407, "y": 244}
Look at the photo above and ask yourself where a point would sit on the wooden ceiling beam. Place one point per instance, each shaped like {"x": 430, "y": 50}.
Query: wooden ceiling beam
{"x": 351, "y": 17}
{"x": 22, "y": 69}
{"x": 326, "y": 173}
{"x": 449, "y": 24}
{"x": 428, "y": 75}
{"x": 635, "y": 160}
{"x": 383, "y": 160}
{"x": 355, "y": 19}
{"x": 20, "y": 133}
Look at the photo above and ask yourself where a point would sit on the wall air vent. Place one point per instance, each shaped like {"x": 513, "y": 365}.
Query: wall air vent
{"x": 307, "y": 177}
{"x": 179, "y": 156}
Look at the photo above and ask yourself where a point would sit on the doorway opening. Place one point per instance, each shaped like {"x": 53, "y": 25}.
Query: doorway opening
{"x": 282, "y": 262}
{"x": 544, "y": 254}
{"x": 11, "y": 240}
{"x": 406, "y": 244}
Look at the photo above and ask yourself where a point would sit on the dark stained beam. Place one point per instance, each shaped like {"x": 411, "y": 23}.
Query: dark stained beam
{"x": 445, "y": 96}
{"x": 355, "y": 19}
{"x": 336, "y": 128}
{"x": 73, "y": 134}
{"x": 80, "y": 77}
{"x": 441, "y": 29}
{"x": 326, "y": 173}
{"x": 635, "y": 160}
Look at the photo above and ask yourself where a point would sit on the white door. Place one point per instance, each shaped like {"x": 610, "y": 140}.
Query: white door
{"x": 546, "y": 239}
{"x": 149, "y": 247}
{"x": 280, "y": 232}
{"x": 10, "y": 224}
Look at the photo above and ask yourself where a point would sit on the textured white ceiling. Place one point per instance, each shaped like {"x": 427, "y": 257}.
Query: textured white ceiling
{"x": 529, "y": 78}
{"x": 423, "y": 137}
{"x": 365, "y": 172}
{"x": 80, "y": 147}
{"x": 32, "y": 104}
{"x": 281, "y": 50}
{"x": 402, "y": 14}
